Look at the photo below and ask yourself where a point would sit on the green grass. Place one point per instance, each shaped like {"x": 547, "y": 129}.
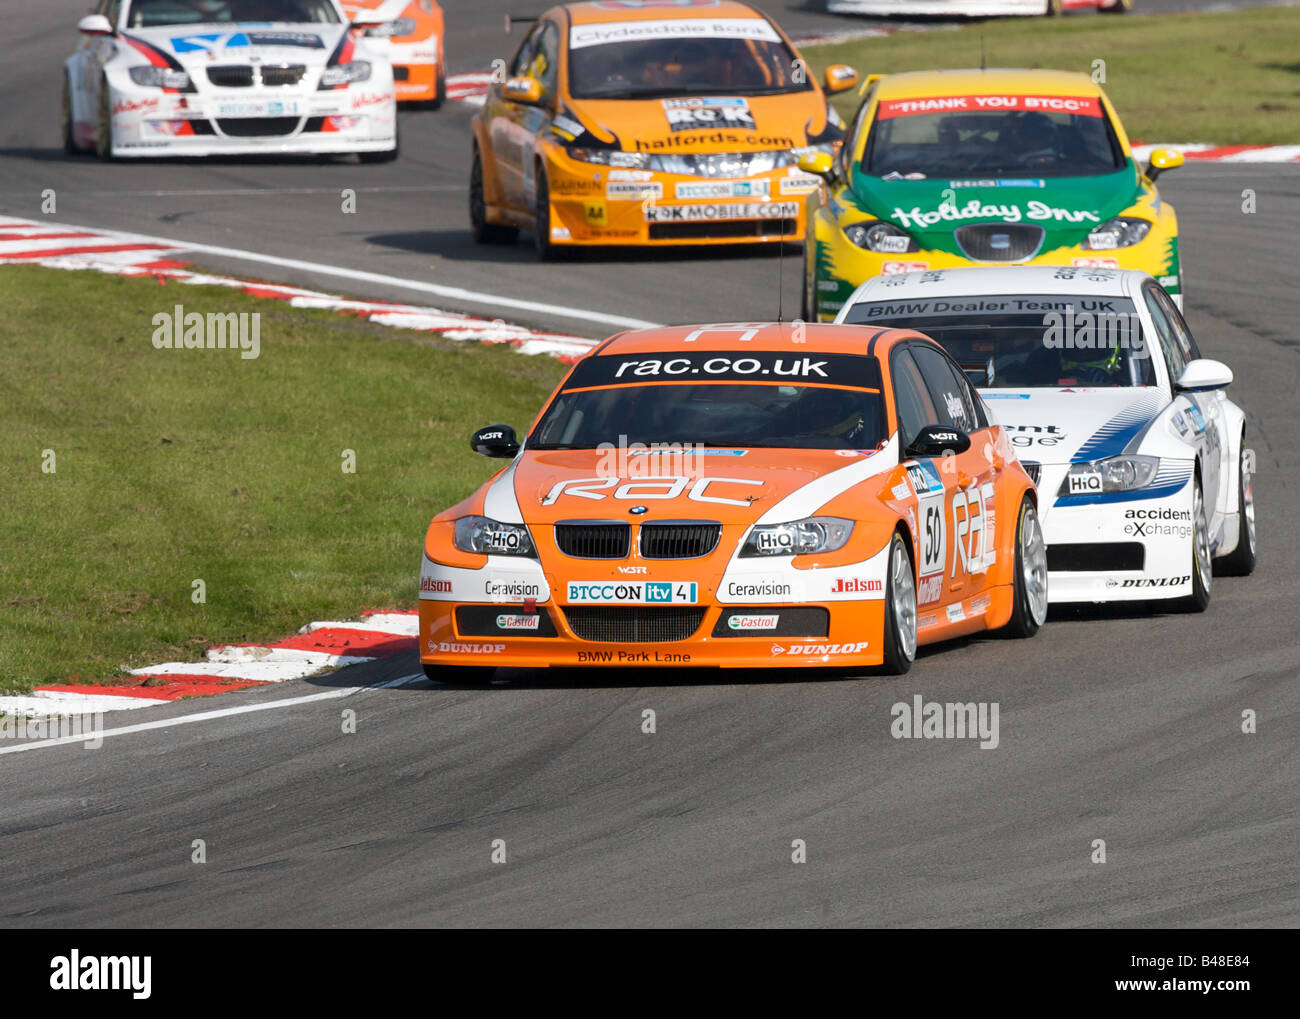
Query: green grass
{"x": 1229, "y": 78}
{"x": 173, "y": 466}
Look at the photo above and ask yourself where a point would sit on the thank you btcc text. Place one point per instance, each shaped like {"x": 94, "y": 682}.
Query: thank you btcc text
{"x": 727, "y": 366}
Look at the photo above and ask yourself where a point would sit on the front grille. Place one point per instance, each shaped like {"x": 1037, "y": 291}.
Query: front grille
{"x": 999, "y": 242}
{"x": 679, "y": 539}
{"x": 594, "y": 539}
{"x": 724, "y": 230}
{"x": 1096, "y": 557}
{"x": 283, "y": 74}
{"x": 231, "y": 76}
{"x": 1033, "y": 470}
{"x": 634, "y": 624}
{"x": 257, "y": 127}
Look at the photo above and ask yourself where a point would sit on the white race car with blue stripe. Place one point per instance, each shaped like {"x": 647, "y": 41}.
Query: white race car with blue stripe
{"x": 1143, "y": 474}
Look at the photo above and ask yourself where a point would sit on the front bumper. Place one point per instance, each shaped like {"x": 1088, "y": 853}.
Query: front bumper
{"x": 149, "y": 123}
{"x": 1125, "y": 547}
{"x": 839, "y": 266}
{"x": 513, "y": 613}
{"x": 592, "y": 204}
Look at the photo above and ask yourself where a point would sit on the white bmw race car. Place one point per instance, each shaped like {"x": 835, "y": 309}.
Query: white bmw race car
{"x": 1139, "y": 455}
{"x": 226, "y": 77}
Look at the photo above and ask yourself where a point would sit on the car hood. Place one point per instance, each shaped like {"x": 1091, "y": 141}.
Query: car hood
{"x": 733, "y": 486}
{"x": 1066, "y": 207}
{"x": 196, "y": 46}
{"x": 1073, "y": 425}
{"x": 696, "y": 124}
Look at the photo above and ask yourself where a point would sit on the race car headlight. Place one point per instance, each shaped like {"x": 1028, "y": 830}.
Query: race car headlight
{"x": 1118, "y": 474}
{"x": 392, "y": 29}
{"x": 1120, "y": 232}
{"x": 160, "y": 77}
{"x": 612, "y": 157}
{"x": 799, "y": 537}
{"x": 492, "y": 537}
{"x": 884, "y": 238}
{"x": 345, "y": 74}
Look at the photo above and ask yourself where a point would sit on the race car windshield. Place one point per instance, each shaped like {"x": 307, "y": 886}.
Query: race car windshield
{"x": 157, "y": 13}
{"x": 1028, "y": 341}
{"x": 984, "y": 145}
{"x": 683, "y": 67}
{"x": 714, "y": 415}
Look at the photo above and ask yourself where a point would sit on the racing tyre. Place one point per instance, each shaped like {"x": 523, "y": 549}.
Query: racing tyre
{"x": 1202, "y": 568}
{"x": 483, "y": 231}
{"x": 1118, "y": 7}
{"x": 1240, "y": 562}
{"x": 104, "y": 124}
{"x": 459, "y": 675}
{"x": 546, "y": 251}
{"x": 439, "y": 89}
{"x": 1055, "y": 8}
{"x": 66, "y": 126}
{"x": 1030, "y": 589}
{"x": 900, "y": 611}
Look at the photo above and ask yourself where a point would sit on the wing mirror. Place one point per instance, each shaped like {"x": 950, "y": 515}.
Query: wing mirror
{"x": 95, "y": 24}
{"x": 522, "y": 90}
{"x": 840, "y": 78}
{"x": 819, "y": 163}
{"x": 495, "y": 441}
{"x": 1204, "y": 375}
{"x": 1162, "y": 160}
{"x": 938, "y": 440}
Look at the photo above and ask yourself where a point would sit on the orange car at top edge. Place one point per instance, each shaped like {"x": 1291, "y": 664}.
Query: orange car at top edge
{"x": 410, "y": 34}
{"x": 738, "y": 495}
{"x": 651, "y": 122}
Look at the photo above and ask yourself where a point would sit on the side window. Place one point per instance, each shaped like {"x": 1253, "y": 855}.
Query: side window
{"x": 519, "y": 66}
{"x": 855, "y": 132}
{"x": 546, "y": 60}
{"x": 1165, "y": 333}
{"x": 1182, "y": 335}
{"x": 948, "y": 387}
{"x": 114, "y": 9}
{"x": 915, "y": 408}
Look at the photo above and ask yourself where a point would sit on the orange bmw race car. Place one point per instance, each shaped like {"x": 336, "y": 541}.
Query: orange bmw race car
{"x": 410, "y": 34}
{"x": 740, "y": 495}
{"x": 651, "y": 122}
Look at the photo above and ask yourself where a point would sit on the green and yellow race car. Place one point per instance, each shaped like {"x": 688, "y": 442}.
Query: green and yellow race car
{"x": 953, "y": 168}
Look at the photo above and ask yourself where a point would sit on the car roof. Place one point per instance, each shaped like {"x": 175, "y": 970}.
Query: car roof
{"x": 995, "y": 80}
{"x": 596, "y": 11}
{"x": 795, "y": 337}
{"x": 978, "y": 281}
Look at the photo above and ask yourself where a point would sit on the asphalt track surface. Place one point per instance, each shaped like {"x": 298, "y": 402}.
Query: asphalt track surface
{"x": 1121, "y": 725}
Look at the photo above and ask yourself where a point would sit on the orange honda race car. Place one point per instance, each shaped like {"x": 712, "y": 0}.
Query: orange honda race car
{"x": 635, "y": 122}
{"x": 740, "y": 495}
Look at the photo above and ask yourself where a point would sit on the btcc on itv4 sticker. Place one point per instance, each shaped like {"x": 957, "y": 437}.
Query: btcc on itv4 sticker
{"x": 648, "y": 592}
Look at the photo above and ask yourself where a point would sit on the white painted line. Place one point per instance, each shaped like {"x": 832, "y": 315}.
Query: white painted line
{"x": 382, "y": 279}
{"x": 207, "y": 716}
{"x": 259, "y": 672}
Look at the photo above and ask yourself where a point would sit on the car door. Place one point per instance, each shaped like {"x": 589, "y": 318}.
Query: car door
{"x": 1203, "y": 412}
{"x": 916, "y": 409}
{"x": 970, "y": 478}
{"x": 516, "y": 126}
